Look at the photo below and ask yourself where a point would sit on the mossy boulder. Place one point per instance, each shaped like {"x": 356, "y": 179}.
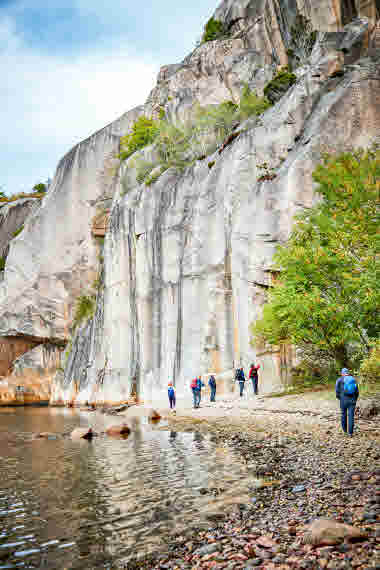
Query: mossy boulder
{"x": 279, "y": 85}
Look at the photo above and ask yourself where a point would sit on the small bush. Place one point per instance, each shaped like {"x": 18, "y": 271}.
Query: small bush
{"x": 251, "y": 104}
{"x": 370, "y": 367}
{"x": 302, "y": 39}
{"x": 2, "y": 263}
{"x": 144, "y": 131}
{"x": 279, "y": 85}
{"x": 214, "y": 30}
{"x": 41, "y": 187}
{"x": 211, "y": 164}
{"x": 17, "y": 232}
{"x": 84, "y": 310}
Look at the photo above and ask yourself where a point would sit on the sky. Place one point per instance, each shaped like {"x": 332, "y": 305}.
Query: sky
{"x": 70, "y": 67}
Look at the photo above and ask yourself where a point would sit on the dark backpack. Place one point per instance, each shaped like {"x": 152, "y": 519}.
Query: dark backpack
{"x": 349, "y": 386}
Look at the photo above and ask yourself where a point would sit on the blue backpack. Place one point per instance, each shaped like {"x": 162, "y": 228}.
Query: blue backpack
{"x": 349, "y": 386}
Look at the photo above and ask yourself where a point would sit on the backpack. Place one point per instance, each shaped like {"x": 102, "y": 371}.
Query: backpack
{"x": 349, "y": 386}
{"x": 171, "y": 391}
{"x": 193, "y": 383}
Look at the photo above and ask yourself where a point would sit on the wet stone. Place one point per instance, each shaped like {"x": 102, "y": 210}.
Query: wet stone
{"x": 207, "y": 549}
{"x": 252, "y": 563}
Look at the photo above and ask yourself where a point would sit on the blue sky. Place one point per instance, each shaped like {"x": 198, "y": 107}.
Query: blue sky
{"x": 69, "y": 67}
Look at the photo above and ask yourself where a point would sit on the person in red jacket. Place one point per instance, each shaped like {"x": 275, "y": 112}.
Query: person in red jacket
{"x": 254, "y": 376}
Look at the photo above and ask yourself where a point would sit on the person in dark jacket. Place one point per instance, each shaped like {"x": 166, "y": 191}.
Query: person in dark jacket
{"x": 254, "y": 376}
{"x": 212, "y": 384}
{"x": 171, "y": 395}
{"x": 200, "y": 385}
{"x": 239, "y": 377}
{"x": 196, "y": 387}
{"x": 347, "y": 392}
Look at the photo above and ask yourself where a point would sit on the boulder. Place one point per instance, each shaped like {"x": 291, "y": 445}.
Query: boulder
{"x": 82, "y": 433}
{"x": 45, "y": 435}
{"x": 119, "y": 430}
{"x": 325, "y": 532}
{"x": 153, "y": 416}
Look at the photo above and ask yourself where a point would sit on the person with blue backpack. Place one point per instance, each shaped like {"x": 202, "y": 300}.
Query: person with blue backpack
{"x": 239, "y": 377}
{"x": 171, "y": 395}
{"x": 196, "y": 387}
{"x": 347, "y": 392}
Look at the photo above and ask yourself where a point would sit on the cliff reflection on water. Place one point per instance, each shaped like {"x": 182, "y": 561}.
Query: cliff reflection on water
{"x": 66, "y": 504}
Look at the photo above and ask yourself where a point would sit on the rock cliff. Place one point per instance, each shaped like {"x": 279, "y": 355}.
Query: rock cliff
{"x": 186, "y": 262}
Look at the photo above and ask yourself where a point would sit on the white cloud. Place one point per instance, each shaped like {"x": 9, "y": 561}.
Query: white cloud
{"x": 50, "y": 102}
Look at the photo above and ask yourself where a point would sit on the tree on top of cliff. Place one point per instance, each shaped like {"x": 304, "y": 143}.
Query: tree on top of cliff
{"x": 214, "y": 30}
{"x": 327, "y": 295}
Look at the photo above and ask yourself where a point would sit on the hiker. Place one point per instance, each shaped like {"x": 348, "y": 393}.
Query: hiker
{"x": 212, "y": 384}
{"x": 347, "y": 392}
{"x": 254, "y": 376}
{"x": 171, "y": 394}
{"x": 196, "y": 387}
{"x": 239, "y": 377}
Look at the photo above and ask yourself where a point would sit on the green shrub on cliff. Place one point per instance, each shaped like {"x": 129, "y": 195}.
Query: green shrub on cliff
{"x": 144, "y": 132}
{"x": 84, "y": 309}
{"x": 251, "y": 104}
{"x": 40, "y": 187}
{"x": 276, "y": 88}
{"x": 214, "y": 30}
{"x": 2, "y": 263}
{"x": 327, "y": 294}
{"x": 180, "y": 144}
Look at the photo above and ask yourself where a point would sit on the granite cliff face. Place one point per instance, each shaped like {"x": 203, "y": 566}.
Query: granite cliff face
{"x": 186, "y": 262}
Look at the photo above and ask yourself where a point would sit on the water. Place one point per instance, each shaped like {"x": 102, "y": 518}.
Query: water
{"x": 66, "y": 504}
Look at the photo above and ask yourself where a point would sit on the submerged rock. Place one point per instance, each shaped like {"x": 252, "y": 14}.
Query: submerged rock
{"x": 117, "y": 431}
{"x": 82, "y": 433}
{"x": 154, "y": 415}
{"x": 325, "y": 532}
{"x": 45, "y": 435}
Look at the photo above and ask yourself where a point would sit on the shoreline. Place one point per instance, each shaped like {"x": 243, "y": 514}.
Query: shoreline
{"x": 310, "y": 470}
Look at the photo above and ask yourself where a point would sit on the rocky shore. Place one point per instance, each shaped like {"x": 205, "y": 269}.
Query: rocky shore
{"x": 305, "y": 477}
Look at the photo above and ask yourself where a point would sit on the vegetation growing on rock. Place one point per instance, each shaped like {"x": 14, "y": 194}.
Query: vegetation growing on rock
{"x": 303, "y": 38}
{"x": 84, "y": 310}
{"x": 179, "y": 145}
{"x": 20, "y": 195}
{"x": 40, "y": 187}
{"x": 144, "y": 131}
{"x": 214, "y": 30}
{"x": 18, "y": 231}
{"x": 279, "y": 85}
{"x": 327, "y": 297}
{"x": 2, "y": 263}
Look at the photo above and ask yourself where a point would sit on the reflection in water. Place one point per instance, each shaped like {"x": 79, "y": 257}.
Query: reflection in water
{"x": 86, "y": 504}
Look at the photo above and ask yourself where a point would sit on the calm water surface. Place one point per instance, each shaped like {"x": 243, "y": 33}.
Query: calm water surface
{"x": 66, "y": 504}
